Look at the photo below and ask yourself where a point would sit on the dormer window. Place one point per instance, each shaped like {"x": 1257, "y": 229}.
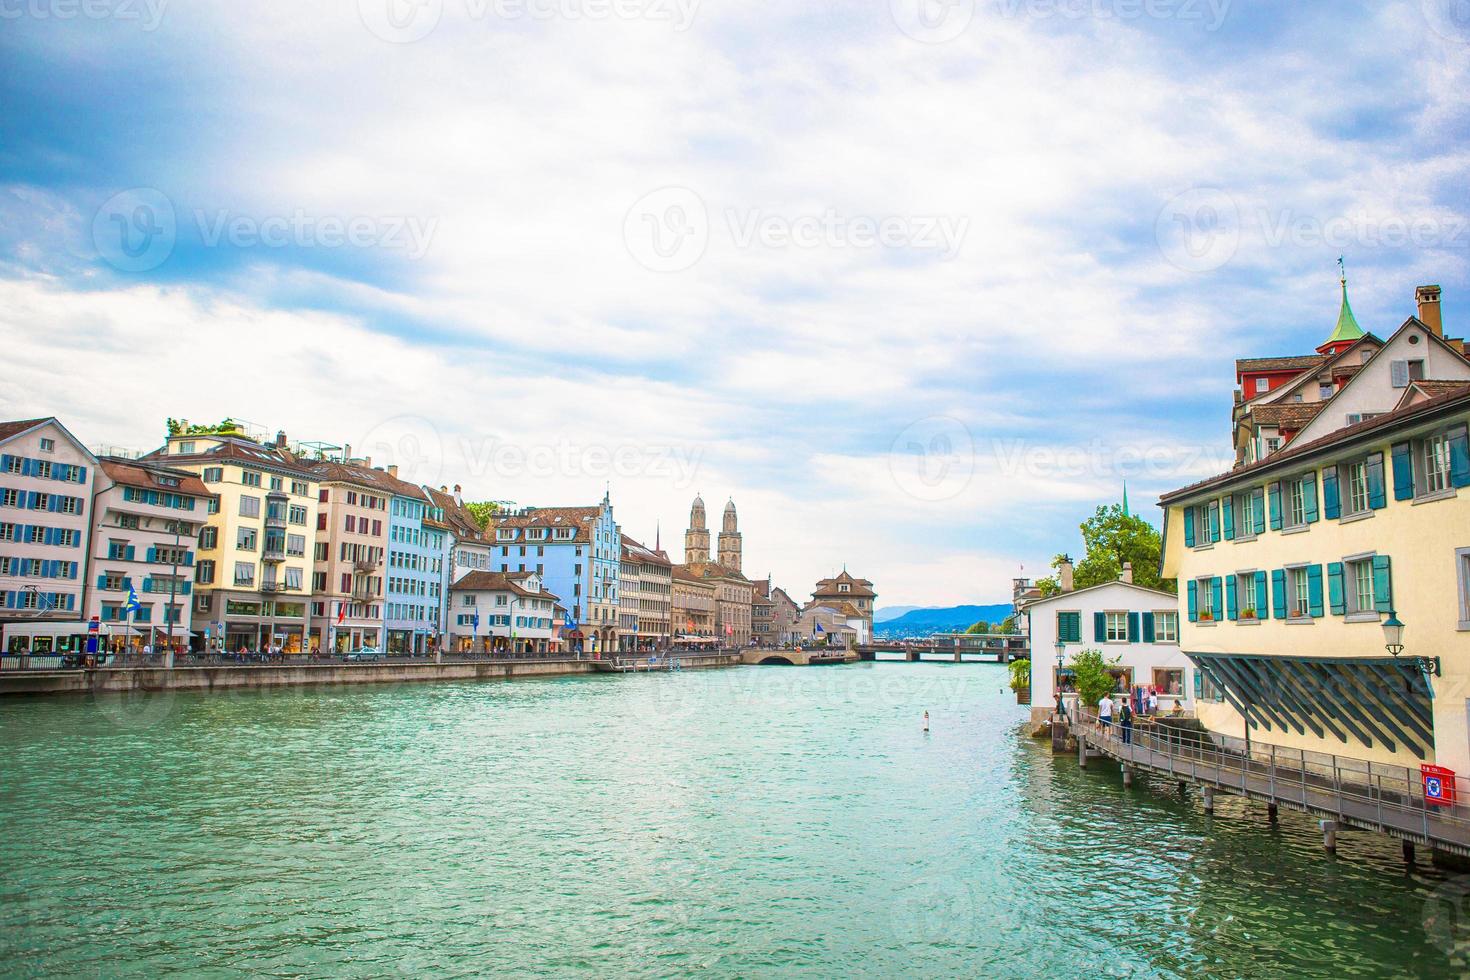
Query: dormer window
{"x": 844, "y": 587}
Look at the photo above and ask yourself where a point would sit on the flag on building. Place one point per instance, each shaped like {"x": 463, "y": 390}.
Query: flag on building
{"x": 133, "y": 605}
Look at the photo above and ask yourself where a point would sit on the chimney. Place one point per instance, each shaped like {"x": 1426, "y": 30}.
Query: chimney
{"x": 280, "y": 438}
{"x": 367, "y": 461}
{"x": 347, "y": 453}
{"x": 1064, "y": 573}
{"x": 1428, "y": 299}
{"x": 1127, "y": 575}
{"x": 393, "y": 470}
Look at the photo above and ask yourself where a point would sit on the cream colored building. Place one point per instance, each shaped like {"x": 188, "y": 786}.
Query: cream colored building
{"x": 1288, "y": 569}
{"x": 645, "y": 590}
{"x": 349, "y": 553}
{"x": 692, "y": 607}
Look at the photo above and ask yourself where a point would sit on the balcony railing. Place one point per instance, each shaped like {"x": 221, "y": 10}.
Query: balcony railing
{"x": 273, "y": 554}
{"x": 367, "y": 564}
{"x": 271, "y": 586}
{"x": 364, "y": 592}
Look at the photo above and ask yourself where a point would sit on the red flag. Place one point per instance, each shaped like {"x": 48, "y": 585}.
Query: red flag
{"x": 341, "y": 612}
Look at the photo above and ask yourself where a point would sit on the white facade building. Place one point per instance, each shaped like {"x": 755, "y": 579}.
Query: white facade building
{"x": 1137, "y": 626}
{"x": 502, "y": 612}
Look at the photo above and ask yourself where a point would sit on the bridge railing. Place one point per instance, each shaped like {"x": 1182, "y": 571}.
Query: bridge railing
{"x": 1390, "y": 793}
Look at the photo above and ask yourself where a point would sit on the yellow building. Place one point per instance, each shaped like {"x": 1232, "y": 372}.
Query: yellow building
{"x": 1290, "y": 567}
{"x": 253, "y": 573}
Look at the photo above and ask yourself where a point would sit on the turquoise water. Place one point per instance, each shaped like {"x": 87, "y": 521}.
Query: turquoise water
{"x": 747, "y": 822}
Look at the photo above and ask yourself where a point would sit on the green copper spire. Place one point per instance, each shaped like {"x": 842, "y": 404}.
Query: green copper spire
{"x": 1347, "y": 325}
{"x": 1125, "y": 498}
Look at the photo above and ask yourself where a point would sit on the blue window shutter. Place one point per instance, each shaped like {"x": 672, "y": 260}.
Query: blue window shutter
{"x": 1263, "y": 603}
{"x": 1214, "y": 517}
{"x": 1227, "y": 516}
{"x": 1377, "y": 498}
{"x": 1274, "y": 493}
{"x": 128, "y": 552}
{"x": 1258, "y": 510}
{"x": 1148, "y": 627}
{"x": 1403, "y": 471}
{"x": 102, "y": 581}
{"x": 5, "y": 459}
{"x": 1193, "y": 601}
{"x": 1382, "y": 583}
{"x": 81, "y": 474}
{"x": 1189, "y": 527}
{"x": 1133, "y": 627}
{"x": 1335, "y": 599}
{"x": 1217, "y": 589}
{"x": 1459, "y": 439}
{"x": 1309, "y": 497}
{"x": 1314, "y": 590}
{"x": 1232, "y": 605}
{"x": 1331, "y": 496}
{"x": 1278, "y": 593}
{"x": 25, "y": 466}
{"x": 152, "y": 552}
{"x": 23, "y": 499}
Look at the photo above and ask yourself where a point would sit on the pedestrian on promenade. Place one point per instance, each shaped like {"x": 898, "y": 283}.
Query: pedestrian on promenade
{"x": 1153, "y": 701}
{"x": 1125, "y": 721}
{"x": 1061, "y": 707}
{"x": 1105, "y": 712}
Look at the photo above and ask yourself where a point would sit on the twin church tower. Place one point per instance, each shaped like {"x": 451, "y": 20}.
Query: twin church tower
{"x": 696, "y": 539}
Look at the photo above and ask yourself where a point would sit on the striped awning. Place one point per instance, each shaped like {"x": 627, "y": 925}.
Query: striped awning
{"x": 1371, "y": 700}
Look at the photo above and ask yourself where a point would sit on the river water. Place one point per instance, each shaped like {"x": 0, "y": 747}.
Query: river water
{"x": 749, "y": 822}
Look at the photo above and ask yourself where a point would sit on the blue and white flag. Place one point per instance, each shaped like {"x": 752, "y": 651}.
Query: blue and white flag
{"x": 133, "y": 605}
{"x": 476, "y": 620}
{"x": 819, "y": 628}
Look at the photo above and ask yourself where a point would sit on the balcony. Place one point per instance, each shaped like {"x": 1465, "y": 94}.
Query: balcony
{"x": 364, "y": 593}
{"x": 366, "y": 565}
{"x": 274, "y": 555}
{"x": 271, "y": 587}
{"x": 279, "y": 523}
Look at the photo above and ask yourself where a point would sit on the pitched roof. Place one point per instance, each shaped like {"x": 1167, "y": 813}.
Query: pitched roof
{"x": 500, "y": 582}
{"x": 461, "y": 521}
{"x": 241, "y": 452}
{"x": 8, "y": 429}
{"x": 134, "y": 473}
{"x": 365, "y": 476}
{"x": 1433, "y": 387}
{"x": 1250, "y": 365}
{"x": 1059, "y": 596}
{"x": 686, "y": 574}
{"x": 579, "y": 518}
{"x": 1284, "y": 458}
{"x": 1291, "y": 415}
{"x": 855, "y": 586}
{"x": 636, "y": 549}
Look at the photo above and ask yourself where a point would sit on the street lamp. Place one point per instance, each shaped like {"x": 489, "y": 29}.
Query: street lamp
{"x": 1393, "y": 637}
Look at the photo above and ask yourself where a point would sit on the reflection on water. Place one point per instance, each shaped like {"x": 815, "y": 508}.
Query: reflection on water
{"x": 738, "y": 823}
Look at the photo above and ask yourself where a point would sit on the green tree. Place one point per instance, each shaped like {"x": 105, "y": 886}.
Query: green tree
{"x": 1112, "y": 536}
{"x": 1007, "y": 626}
{"x": 1051, "y": 585}
{"x": 980, "y": 627}
{"x": 482, "y": 511}
{"x": 1020, "y": 675}
{"x": 1090, "y": 674}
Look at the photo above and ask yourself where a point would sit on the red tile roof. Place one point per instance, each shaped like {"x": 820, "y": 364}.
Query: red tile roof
{"x": 8, "y": 429}
{"x": 1292, "y": 415}
{"x": 500, "y": 582}
{"x": 1250, "y": 365}
{"x": 145, "y": 475}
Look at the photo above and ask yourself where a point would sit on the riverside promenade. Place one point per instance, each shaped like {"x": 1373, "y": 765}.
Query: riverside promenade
{"x": 269, "y": 676}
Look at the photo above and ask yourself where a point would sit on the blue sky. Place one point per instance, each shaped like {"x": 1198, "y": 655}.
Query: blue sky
{"x": 919, "y": 283}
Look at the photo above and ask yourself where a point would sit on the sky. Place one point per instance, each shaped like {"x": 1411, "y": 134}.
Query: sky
{"x": 917, "y": 283}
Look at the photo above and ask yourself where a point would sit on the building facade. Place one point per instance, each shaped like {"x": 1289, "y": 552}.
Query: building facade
{"x": 418, "y": 544}
{"x": 350, "y": 557}
{"x": 848, "y": 588}
{"x": 646, "y": 593}
{"x": 1291, "y": 567}
{"x": 773, "y": 615}
{"x": 1137, "y": 627}
{"x": 729, "y": 541}
{"x": 502, "y": 612}
{"x": 692, "y": 607}
{"x": 46, "y": 485}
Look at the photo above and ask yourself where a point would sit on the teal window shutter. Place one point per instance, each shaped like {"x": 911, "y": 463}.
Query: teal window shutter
{"x": 1258, "y": 510}
{"x": 1232, "y": 605}
{"x": 1278, "y": 593}
{"x": 1382, "y": 583}
{"x": 1335, "y": 599}
{"x": 1148, "y": 627}
{"x": 102, "y": 581}
{"x": 1214, "y": 517}
{"x": 1314, "y": 590}
{"x": 1274, "y": 493}
{"x": 1189, "y": 527}
{"x": 1193, "y": 601}
{"x": 1309, "y": 497}
{"x": 1377, "y": 498}
{"x": 1217, "y": 588}
{"x": 1331, "y": 496}
{"x": 1100, "y": 627}
{"x": 152, "y": 553}
{"x": 1403, "y": 471}
{"x": 1133, "y": 627}
{"x": 1227, "y": 515}
{"x": 1263, "y": 605}
{"x": 1459, "y": 439}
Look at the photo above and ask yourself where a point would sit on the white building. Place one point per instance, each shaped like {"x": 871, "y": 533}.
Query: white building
{"x": 1138, "y": 627}
{"x": 502, "y": 612}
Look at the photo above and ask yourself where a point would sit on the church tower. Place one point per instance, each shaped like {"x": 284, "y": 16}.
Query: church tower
{"x": 729, "y": 540}
{"x": 696, "y": 539}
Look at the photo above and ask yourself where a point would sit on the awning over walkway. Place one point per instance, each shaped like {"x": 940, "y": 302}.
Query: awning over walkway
{"x": 1370, "y": 700}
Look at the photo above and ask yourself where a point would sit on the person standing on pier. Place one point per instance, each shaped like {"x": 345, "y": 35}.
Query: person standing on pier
{"x": 1105, "y": 712}
{"x": 1125, "y": 721}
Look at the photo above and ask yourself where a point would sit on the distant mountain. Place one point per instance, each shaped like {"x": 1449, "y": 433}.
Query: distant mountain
{"x": 953, "y": 619}
{"x": 891, "y": 612}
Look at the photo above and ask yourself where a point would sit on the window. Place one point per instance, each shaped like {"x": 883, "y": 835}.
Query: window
{"x": 1300, "y": 595}
{"x": 48, "y": 445}
{"x": 1359, "y": 587}
{"x": 300, "y": 489}
{"x": 245, "y": 538}
{"x": 1355, "y": 488}
{"x": 10, "y": 497}
{"x": 1117, "y": 627}
{"x": 1462, "y": 561}
{"x": 244, "y": 573}
{"x": 1242, "y": 518}
{"x": 1434, "y": 464}
{"x": 204, "y": 572}
{"x": 209, "y": 537}
{"x": 1263, "y": 384}
{"x": 250, "y": 478}
{"x": 1296, "y": 504}
{"x": 1206, "y": 593}
{"x": 249, "y": 506}
{"x": 1245, "y": 596}
{"x": 1273, "y": 443}
{"x": 293, "y": 579}
{"x": 1166, "y": 627}
{"x": 1169, "y": 680}
{"x": 296, "y": 514}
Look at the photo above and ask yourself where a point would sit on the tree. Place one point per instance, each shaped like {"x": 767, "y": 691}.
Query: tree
{"x": 482, "y": 511}
{"x": 1112, "y": 536}
{"x": 980, "y": 627}
{"x": 1020, "y": 675}
{"x": 1090, "y": 673}
{"x": 1007, "y": 626}
{"x": 1051, "y": 585}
